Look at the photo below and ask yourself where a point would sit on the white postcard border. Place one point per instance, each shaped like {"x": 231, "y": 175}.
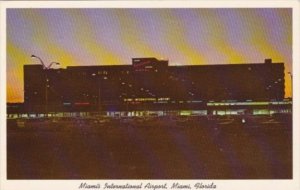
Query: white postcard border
{"x": 221, "y": 184}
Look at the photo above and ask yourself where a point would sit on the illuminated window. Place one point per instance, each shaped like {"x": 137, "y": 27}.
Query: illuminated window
{"x": 163, "y": 99}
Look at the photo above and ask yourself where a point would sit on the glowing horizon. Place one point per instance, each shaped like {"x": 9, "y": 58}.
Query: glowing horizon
{"x": 114, "y": 36}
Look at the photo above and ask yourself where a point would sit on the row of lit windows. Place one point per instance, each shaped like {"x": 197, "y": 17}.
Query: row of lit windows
{"x": 247, "y": 103}
{"x": 152, "y": 113}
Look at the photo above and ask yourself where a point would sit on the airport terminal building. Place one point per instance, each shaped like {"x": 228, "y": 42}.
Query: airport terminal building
{"x": 152, "y": 86}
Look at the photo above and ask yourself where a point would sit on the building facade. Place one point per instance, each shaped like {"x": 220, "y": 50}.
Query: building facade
{"x": 150, "y": 84}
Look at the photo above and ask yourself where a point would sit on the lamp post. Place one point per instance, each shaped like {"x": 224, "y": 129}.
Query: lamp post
{"x": 47, "y": 80}
{"x": 99, "y": 94}
{"x": 42, "y": 63}
{"x": 291, "y": 75}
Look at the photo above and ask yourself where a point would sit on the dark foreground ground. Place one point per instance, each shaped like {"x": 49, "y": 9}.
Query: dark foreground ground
{"x": 155, "y": 148}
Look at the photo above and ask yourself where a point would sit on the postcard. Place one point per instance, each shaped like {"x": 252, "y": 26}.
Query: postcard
{"x": 149, "y": 95}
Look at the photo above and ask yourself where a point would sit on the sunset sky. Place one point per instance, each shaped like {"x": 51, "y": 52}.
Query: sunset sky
{"x": 114, "y": 36}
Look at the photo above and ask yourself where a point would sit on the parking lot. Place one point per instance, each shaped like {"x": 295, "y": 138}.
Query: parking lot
{"x": 150, "y": 148}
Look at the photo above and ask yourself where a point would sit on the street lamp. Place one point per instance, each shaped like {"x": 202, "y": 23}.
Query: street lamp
{"x": 56, "y": 63}
{"x": 291, "y": 75}
{"x": 42, "y": 62}
{"x": 47, "y": 80}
